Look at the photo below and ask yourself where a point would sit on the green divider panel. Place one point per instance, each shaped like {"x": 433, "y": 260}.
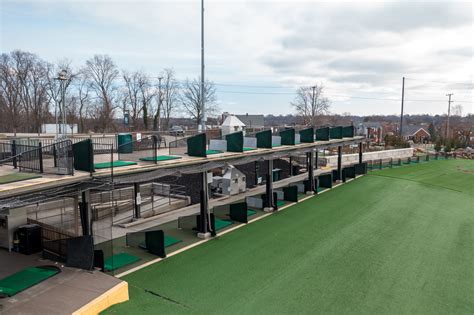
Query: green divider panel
{"x": 83, "y": 156}
{"x": 25, "y": 279}
{"x": 348, "y": 172}
{"x": 264, "y": 139}
{"x": 307, "y": 135}
{"x": 197, "y": 145}
{"x": 287, "y": 136}
{"x": 124, "y": 143}
{"x": 235, "y": 142}
{"x": 335, "y": 133}
{"x": 322, "y": 134}
{"x": 155, "y": 242}
{"x": 325, "y": 180}
{"x": 238, "y": 212}
{"x": 335, "y": 175}
{"x": 360, "y": 168}
{"x": 290, "y": 193}
{"x": 348, "y": 132}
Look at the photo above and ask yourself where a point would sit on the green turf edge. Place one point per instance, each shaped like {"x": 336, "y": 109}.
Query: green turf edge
{"x": 24, "y": 279}
{"x": 114, "y": 164}
{"x": 17, "y": 177}
{"x": 119, "y": 260}
{"x": 160, "y": 158}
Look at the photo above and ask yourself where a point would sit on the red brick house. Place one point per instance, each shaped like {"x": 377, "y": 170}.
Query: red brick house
{"x": 416, "y": 134}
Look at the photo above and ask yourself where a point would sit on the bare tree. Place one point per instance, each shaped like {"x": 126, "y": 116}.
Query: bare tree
{"x": 191, "y": 99}
{"x": 103, "y": 72}
{"x": 457, "y": 110}
{"x": 131, "y": 96}
{"x": 83, "y": 98}
{"x": 146, "y": 96}
{"x": 310, "y": 103}
{"x": 10, "y": 93}
{"x": 170, "y": 94}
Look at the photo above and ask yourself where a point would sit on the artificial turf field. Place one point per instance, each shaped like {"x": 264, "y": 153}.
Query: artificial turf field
{"x": 395, "y": 241}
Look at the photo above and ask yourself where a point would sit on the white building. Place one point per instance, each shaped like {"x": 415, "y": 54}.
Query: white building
{"x": 232, "y": 124}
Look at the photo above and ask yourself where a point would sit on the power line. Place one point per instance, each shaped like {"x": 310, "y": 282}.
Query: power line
{"x": 441, "y": 82}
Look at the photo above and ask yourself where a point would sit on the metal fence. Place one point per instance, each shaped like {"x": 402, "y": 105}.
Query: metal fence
{"x": 56, "y": 158}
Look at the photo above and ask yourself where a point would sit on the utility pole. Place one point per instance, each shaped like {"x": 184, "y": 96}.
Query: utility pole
{"x": 203, "y": 107}
{"x": 159, "y": 103}
{"x": 61, "y": 133}
{"x": 312, "y": 105}
{"x": 401, "y": 114}
{"x": 447, "y": 121}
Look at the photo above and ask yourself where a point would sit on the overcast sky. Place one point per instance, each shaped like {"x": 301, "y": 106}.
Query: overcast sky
{"x": 257, "y": 52}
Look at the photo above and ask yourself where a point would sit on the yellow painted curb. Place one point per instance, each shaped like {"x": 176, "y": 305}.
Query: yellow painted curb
{"x": 117, "y": 294}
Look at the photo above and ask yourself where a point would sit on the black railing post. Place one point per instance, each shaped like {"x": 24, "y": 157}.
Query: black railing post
{"x": 112, "y": 163}
{"x": 155, "y": 155}
{"x": 40, "y": 156}
{"x": 339, "y": 163}
{"x": 55, "y": 155}
{"x": 14, "y": 153}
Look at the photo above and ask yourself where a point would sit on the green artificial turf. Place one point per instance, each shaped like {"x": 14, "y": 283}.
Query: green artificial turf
{"x": 251, "y": 212}
{"x": 397, "y": 241}
{"x": 169, "y": 241}
{"x": 24, "y": 279}
{"x": 220, "y": 224}
{"x": 16, "y": 177}
{"x": 114, "y": 164}
{"x": 160, "y": 158}
{"x": 119, "y": 260}
{"x": 210, "y": 152}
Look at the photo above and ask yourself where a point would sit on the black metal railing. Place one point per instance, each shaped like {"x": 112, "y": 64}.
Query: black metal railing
{"x": 56, "y": 158}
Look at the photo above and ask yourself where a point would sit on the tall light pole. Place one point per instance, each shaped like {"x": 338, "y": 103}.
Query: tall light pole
{"x": 203, "y": 106}
{"x": 312, "y": 105}
{"x": 403, "y": 100}
{"x": 449, "y": 112}
{"x": 159, "y": 102}
{"x": 62, "y": 77}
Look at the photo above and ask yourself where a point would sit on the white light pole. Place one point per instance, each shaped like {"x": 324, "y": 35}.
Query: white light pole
{"x": 62, "y": 77}
{"x": 203, "y": 106}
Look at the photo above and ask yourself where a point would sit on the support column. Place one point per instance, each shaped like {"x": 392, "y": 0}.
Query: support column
{"x": 76, "y": 214}
{"x": 138, "y": 201}
{"x": 85, "y": 213}
{"x": 291, "y": 166}
{"x": 269, "y": 187}
{"x": 316, "y": 159}
{"x": 204, "y": 231}
{"x": 360, "y": 152}
{"x": 339, "y": 162}
{"x": 311, "y": 173}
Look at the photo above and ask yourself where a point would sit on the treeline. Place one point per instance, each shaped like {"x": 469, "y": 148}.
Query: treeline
{"x": 96, "y": 95}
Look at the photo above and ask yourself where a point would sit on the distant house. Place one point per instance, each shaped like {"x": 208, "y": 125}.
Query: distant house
{"x": 417, "y": 134}
{"x": 252, "y": 122}
{"x": 371, "y": 130}
{"x": 232, "y": 124}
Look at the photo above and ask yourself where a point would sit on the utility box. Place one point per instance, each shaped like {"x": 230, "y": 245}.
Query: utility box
{"x": 29, "y": 237}
{"x": 124, "y": 143}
